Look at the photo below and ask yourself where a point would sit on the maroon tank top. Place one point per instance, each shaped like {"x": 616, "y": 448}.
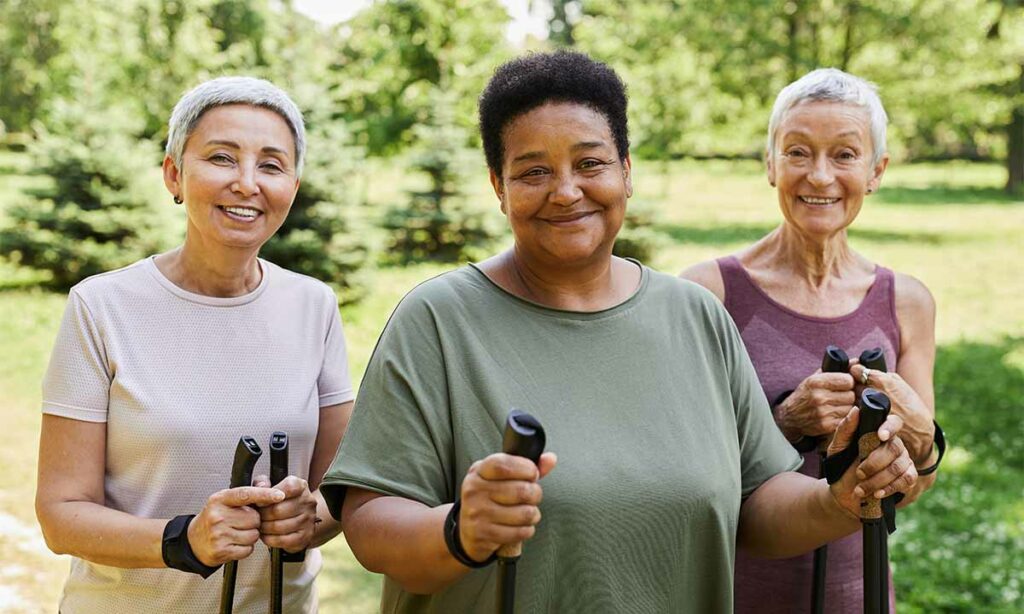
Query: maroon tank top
{"x": 786, "y": 347}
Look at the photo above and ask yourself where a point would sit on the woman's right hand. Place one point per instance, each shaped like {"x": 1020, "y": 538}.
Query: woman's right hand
{"x": 500, "y": 496}
{"x": 817, "y": 405}
{"x": 228, "y": 527}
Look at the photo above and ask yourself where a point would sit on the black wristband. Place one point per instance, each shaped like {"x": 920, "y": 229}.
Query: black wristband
{"x": 177, "y": 552}
{"x": 940, "y": 443}
{"x": 451, "y": 539}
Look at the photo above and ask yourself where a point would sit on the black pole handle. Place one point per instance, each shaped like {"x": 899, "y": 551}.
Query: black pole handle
{"x": 873, "y": 359}
{"x": 247, "y": 452}
{"x": 278, "y": 472}
{"x": 835, "y": 360}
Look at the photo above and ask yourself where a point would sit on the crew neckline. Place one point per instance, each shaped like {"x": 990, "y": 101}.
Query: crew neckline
{"x": 202, "y": 299}
{"x": 627, "y": 303}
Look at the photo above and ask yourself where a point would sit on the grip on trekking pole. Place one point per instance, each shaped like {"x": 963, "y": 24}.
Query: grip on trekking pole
{"x": 247, "y": 452}
{"x": 835, "y": 360}
{"x": 874, "y": 409}
{"x": 278, "y": 472}
{"x": 873, "y": 359}
{"x": 524, "y": 436}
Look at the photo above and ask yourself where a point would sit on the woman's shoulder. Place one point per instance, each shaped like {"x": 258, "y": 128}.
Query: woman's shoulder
{"x": 112, "y": 283}
{"x": 914, "y": 301}
{"x": 293, "y": 282}
{"x": 685, "y": 292}
{"x": 707, "y": 274}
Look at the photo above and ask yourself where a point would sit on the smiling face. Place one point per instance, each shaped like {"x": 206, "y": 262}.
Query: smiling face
{"x": 563, "y": 186}
{"x": 237, "y": 176}
{"x": 822, "y": 166}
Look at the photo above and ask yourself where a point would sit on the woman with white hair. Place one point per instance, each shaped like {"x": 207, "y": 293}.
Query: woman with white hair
{"x": 160, "y": 367}
{"x": 802, "y": 288}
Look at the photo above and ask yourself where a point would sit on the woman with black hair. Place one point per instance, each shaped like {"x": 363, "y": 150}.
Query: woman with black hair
{"x": 669, "y": 453}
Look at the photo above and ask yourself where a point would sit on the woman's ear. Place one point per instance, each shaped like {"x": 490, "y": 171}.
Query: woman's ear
{"x": 877, "y": 172}
{"x": 627, "y": 175}
{"x": 769, "y": 168}
{"x": 172, "y": 177}
{"x": 499, "y": 189}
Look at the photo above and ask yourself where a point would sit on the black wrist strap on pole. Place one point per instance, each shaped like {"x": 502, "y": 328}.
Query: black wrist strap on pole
{"x": 940, "y": 443}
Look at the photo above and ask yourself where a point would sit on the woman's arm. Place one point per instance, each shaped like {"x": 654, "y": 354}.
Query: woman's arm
{"x": 404, "y": 539}
{"x": 70, "y": 505}
{"x": 792, "y": 513}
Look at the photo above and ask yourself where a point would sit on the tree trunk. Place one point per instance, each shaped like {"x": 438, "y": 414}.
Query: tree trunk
{"x": 850, "y": 11}
{"x": 1015, "y": 142}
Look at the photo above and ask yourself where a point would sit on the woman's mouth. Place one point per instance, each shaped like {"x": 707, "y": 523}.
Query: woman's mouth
{"x": 569, "y": 219}
{"x": 818, "y": 200}
{"x": 241, "y": 214}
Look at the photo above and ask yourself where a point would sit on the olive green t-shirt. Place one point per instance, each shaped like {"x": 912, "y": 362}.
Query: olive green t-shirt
{"x": 657, "y": 416}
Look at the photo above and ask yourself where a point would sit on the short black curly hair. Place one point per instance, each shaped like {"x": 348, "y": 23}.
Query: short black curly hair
{"x": 527, "y": 82}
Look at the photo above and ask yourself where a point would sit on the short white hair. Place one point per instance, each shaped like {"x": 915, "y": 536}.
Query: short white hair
{"x": 233, "y": 90}
{"x": 833, "y": 85}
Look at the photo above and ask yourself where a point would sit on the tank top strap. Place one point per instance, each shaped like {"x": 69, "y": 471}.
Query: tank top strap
{"x": 742, "y": 298}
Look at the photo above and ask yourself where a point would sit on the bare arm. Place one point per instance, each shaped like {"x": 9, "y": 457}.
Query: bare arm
{"x": 792, "y": 513}
{"x": 70, "y": 500}
{"x": 70, "y": 505}
{"x": 333, "y": 422}
{"x": 404, "y": 539}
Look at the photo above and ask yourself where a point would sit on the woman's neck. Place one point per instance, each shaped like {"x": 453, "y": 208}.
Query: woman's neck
{"x": 219, "y": 272}
{"x": 815, "y": 261}
{"x": 591, "y": 287}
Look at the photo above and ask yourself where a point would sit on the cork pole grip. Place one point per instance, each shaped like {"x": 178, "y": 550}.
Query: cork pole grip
{"x": 870, "y": 507}
{"x": 511, "y": 551}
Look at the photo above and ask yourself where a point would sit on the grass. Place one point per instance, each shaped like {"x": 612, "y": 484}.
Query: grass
{"x": 959, "y": 549}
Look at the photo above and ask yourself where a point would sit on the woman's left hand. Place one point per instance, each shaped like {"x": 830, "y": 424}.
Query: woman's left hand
{"x": 290, "y": 524}
{"x": 887, "y": 470}
{"x": 918, "y": 430}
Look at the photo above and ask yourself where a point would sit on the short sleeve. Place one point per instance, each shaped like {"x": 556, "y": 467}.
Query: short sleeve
{"x": 77, "y": 381}
{"x": 764, "y": 452}
{"x": 334, "y": 383}
{"x": 399, "y": 440}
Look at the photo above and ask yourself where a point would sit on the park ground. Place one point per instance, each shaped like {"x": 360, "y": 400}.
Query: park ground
{"x": 959, "y": 549}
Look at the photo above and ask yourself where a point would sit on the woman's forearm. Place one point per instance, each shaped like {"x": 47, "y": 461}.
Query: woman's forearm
{"x": 102, "y": 535}
{"x": 327, "y": 528}
{"x": 402, "y": 539}
{"x": 791, "y": 514}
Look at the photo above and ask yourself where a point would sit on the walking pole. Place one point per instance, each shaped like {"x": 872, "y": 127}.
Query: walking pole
{"x": 524, "y": 436}
{"x": 834, "y": 361}
{"x": 874, "y": 409}
{"x": 278, "y": 472}
{"x": 874, "y": 359}
{"x": 246, "y": 454}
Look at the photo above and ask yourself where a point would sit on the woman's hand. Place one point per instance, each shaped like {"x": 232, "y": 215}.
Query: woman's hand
{"x": 817, "y": 405}
{"x": 919, "y": 430}
{"x": 500, "y": 496}
{"x": 887, "y": 470}
{"x": 228, "y": 527}
{"x": 291, "y": 523}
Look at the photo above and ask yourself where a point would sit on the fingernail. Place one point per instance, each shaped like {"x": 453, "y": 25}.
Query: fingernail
{"x": 279, "y": 494}
{"x": 883, "y": 434}
{"x": 858, "y": 491}
{"x": 880, "y": 494}
{"x": 861, "y": 475}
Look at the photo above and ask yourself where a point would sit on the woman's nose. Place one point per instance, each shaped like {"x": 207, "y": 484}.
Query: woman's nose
{"x": 566, "y": 190}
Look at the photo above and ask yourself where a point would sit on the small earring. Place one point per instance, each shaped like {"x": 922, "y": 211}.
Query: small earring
{"x": 177, "y": 200}
{"x": 870, "y": 190}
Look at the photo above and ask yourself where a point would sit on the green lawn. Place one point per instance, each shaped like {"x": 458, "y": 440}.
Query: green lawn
{"x": 959, "y": 549}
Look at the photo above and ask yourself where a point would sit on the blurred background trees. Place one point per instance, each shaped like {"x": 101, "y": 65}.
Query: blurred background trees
{"x": 399, "y": 80}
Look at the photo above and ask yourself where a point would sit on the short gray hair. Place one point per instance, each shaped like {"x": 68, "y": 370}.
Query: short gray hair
{"x": 833, "y": 85}
{"x": 233, "y": 90}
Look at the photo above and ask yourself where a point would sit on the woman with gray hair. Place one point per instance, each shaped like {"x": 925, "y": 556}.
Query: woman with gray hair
{"x": 160, "y": 367}
{"x": 802, "y": 288}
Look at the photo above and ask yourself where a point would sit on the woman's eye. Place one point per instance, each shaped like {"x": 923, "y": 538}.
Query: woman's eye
{"x": 590, "y": 163}
{"x": 272, "y": 167}
{"x": 533, "y": 172}
{"x": 796, "y": 153}
{"x": 221, "y": 158}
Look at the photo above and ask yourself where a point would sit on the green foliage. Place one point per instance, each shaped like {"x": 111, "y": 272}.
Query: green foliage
{"x": 320, "y": 236}
{"x": 397, "y": 51}
{"x": 435, "y": 224}
{"x": 638, "y": 238}
{"x": 95, "y": 217}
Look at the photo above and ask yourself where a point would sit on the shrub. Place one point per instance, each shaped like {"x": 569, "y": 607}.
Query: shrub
{"x": 97, "y": 214}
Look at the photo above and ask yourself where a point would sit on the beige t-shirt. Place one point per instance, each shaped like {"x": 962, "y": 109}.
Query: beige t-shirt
{"x": 178, "y": 378}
